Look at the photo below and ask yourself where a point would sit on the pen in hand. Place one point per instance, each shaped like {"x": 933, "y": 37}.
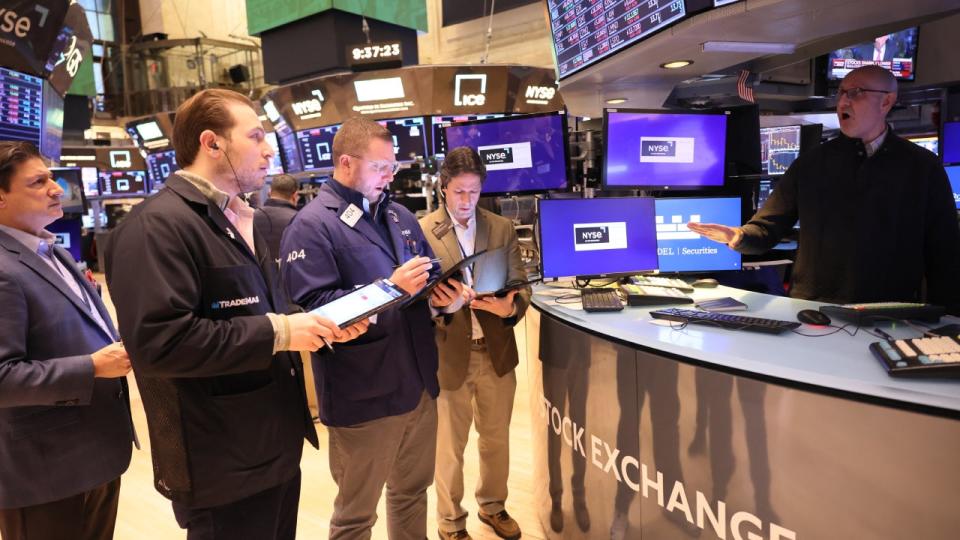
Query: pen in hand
{"x": 432, "y": 261}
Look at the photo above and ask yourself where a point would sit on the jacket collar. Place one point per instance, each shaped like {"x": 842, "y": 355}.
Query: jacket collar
{"x": 330, "y": 196}
{"x": 279, "y": 204}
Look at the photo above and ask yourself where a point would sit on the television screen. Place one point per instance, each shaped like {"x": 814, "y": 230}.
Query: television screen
{"x": 409, "y": 137}
{"x": 276, "y": 162}
{"x": 91, "y": 181}
{"x": 440, "y": 122}
{"x": 316, "y": 147}
{"x": 70, "y": 181}
{"x": 51, "y": 134}
{"x": 930, "y": 142}
{"x": 149, "y": 130}
{"x": 21, "y": 107}
{"x": 764, "y": 191}
{"x": 586, "y": 32}
{"x": 159, "y": 167}
{"x": 521, "y": 153}
{"x": 126, "y": 183}
{"x": 681, "y": 250}
{"x": 953, "y": 173}
{"x": 69, "y": 235}
{"x": 896, "y": 52}
{"x": 663, "y": 150}
{"x": 290, "y": 153}
{"x": 951, "y": 142}
{"x": 597, "y": 237}
{"x": 88, "y": 219}
{"x": 779, "y": 147}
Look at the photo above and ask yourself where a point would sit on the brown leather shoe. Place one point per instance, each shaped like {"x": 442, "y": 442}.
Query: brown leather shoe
{"x": 462, "y": 534}
{"x": 503, "y": 525}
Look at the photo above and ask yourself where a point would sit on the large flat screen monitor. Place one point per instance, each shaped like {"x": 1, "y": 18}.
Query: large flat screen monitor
{"x": 663, "y": 150}
{"x": 21, "y": 107}
{"x": 597, "y": 237}
{"x": 159, "y": 166}
{"x": 951, "y": 142}
{"x": 70, "y": 180}
{"x": 440, "y": 122}
{"x": 276, "y": 162}
{"x": 896, "y": 52}
{"x": 586, "y": 32}
{"x": 316, "y": 147}
{"x": 289, "y": 151}
{"x": 681, "y": 250}
{"x": 91, "y": 181}
{"x": 409, "y": 137}
{"x": 779, "y": 148}
{"x": 522, "y": 154}
{"x": 123, "y": 183}
{"x": 953, "y": 173}
{"x": 930, "y": 142}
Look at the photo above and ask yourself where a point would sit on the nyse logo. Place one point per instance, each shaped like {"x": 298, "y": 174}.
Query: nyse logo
{"x": 544, "y": 93}
{"x": 309, "y": 106}
{"x": 599, "y": 236}
{"x": 13, "y": 23}
{"x": 593, "y": 235}
{"x": 666, "y": 149}
{"x": 659, "y": 148}
{"x": 496, "y": 156}
{"x": 470, "y": 90}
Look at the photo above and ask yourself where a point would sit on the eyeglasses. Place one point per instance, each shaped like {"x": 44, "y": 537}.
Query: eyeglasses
{"x": 380, "y": 167}
{"x": 855, "y": 92}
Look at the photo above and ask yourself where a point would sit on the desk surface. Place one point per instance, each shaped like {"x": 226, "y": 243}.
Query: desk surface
{"x": 838, "y": 362}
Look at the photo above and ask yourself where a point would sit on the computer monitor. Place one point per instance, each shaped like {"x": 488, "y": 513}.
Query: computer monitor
{"x": 896, "y": 52}
{"x": 663, "y": 150}
{"x": 681, "y": 250}
{"x": 522, "y": 154}
{"x": 316, "y": 147}
{"x": 91, "y": 181}
{"x": 123, "y": 183}
{"x": 409, "y": 137}
{"x": 764, "y": 190}
{"x": 953, "y": 173}
{"x": 70, "y": 181}
{"x": 440, "y": 122}
{"x": 597, "y": 237}
{"x": 289, "y": 151}
{"x": 68, "y": 231}
{"x": 779, "y": 148}
{"x": 930, "y": 142}
{"x": 276, "y": 162}
{"x": 159, "y": 166}
{"x": 951, "y": 142}
{"x": 21, "y": 107}
{"x": 87, "y": 219}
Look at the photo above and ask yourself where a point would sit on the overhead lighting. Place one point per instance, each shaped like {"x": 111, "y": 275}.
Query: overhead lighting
{"x": 616, "y": 101}
{"x": 748, "y": 47}
{"x": 676, "y": 64}
{"x": 585, "y": 119}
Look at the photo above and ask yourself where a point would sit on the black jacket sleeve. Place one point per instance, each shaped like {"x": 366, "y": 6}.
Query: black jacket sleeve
{"x": 777, "y": 216}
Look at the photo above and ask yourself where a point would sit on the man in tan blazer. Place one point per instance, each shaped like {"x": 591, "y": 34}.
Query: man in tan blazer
{"x": 478, "y": 351}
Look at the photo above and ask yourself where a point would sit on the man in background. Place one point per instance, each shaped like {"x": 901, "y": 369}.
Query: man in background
{"x": 277, "y": 211}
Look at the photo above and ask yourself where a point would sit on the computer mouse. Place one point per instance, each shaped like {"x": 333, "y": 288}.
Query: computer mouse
{"x": 706, "y": 283}
{"x": 812, "y": 316}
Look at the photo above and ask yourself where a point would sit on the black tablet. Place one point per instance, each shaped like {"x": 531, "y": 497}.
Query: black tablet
{"x": 501, "y": 292}
{"x": 362, "y": 303}
{"x": 454, "y": 272}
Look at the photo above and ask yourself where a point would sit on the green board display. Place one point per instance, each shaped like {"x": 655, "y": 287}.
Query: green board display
{"x": 267, "y": 14}
{"x": 83, "y": 84}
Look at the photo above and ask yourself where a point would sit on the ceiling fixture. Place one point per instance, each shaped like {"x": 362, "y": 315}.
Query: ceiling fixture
{"x": 676, "y": 64}
{"x": 616, "y": 101}
{"x": 748, "y": 47}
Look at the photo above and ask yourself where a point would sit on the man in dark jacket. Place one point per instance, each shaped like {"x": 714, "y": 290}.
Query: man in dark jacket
{"x": 876, "y": 211}
{"x": 276, "y": 213}
{"x": 204, "y": 319}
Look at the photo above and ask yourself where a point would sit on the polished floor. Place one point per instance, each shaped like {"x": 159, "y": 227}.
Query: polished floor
{"x": 145, "y": 515}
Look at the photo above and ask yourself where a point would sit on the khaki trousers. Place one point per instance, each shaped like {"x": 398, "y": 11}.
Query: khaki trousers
{"x": 396, "y": 451}
{"x": 488, "y": 399}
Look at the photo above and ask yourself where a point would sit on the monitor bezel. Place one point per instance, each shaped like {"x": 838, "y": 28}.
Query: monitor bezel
{"x": 513, "y": 117}
{"x": 656, "y": 187}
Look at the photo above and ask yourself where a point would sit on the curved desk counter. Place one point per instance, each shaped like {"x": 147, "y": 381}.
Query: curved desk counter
{"x": 643, "y": 430}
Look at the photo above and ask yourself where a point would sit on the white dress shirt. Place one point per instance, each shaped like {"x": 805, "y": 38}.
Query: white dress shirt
{"x": 467, "y": 238}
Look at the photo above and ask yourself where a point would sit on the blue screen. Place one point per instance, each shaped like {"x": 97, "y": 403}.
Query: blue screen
{"x": 593, "y": 237}
{"x": 951, "y": 142}
{"x": 681, "y": 250}
{"x": 68, "y": 233}
{"x": 953, "y": 173}
{"x": 520, "y": 153}
{"x": 663, "y": 150}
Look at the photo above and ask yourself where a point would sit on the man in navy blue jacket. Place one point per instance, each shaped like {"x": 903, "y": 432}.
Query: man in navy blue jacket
{"x": 376, "y": 394}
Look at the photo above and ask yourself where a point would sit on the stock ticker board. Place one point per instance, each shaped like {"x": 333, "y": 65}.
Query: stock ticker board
{"x": 21, "y": 106}
{"x": 586, "y": 31}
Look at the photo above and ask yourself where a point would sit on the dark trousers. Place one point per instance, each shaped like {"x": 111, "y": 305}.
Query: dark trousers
{"x": 268, "y": 515}
{"x": 90, "y": 515}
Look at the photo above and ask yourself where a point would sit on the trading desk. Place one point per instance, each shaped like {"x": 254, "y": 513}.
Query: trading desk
{"x": 643, "y": 430}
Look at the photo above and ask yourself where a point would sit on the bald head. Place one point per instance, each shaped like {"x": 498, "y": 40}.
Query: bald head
{"x": 873, "y": 77}
{"x": 865, "y": 97}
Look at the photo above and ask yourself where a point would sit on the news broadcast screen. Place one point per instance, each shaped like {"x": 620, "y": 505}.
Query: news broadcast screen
{"x": 896, "y": 52}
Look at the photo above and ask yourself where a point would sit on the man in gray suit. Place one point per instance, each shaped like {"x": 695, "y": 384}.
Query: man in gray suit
{"x": 65, "y": 426}
{"x": 478, "y": 351}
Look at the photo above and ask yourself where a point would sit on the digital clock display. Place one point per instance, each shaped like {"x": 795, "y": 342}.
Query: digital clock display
{"x": 374, "y": 51}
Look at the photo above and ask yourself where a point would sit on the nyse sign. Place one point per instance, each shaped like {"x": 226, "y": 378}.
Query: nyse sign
{"x": 539, "y": 95}
{"x": 309, "y": 108}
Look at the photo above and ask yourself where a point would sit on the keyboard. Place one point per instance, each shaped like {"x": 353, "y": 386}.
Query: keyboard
{"x": 657, "y": 281}
{"x": 725, "y": 320}
{"x": 600, "y": 299}
{"x": 920, "y": 357}
{"x": 868, "y": 314}
{"x": 639, "y": 295}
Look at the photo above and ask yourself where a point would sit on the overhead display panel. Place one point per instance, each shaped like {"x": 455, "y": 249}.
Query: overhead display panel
{"x": 586, "y": 31}
{"x": 21, "y": 111}
{"x": 469, "y": 90}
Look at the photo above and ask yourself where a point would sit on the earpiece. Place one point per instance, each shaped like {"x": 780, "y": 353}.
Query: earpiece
{"x": 214, "y": 145}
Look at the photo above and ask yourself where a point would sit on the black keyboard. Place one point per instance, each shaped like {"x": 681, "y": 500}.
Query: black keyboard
{"x": 600, "y": 299}
{"x": 725, "y": 320}
{"x": 920, "y": 357}
{"x": 870, "y": 313}
{"x": 639, "y": 295}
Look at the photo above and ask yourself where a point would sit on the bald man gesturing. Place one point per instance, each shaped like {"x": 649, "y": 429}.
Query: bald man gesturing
{"x": 878, "y": 220}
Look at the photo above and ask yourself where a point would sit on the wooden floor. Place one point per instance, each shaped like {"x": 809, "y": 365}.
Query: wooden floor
{"x": 145, "y": 515}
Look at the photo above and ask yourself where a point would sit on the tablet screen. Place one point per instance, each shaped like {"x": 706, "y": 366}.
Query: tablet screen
{"x": 360, "y": 303}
